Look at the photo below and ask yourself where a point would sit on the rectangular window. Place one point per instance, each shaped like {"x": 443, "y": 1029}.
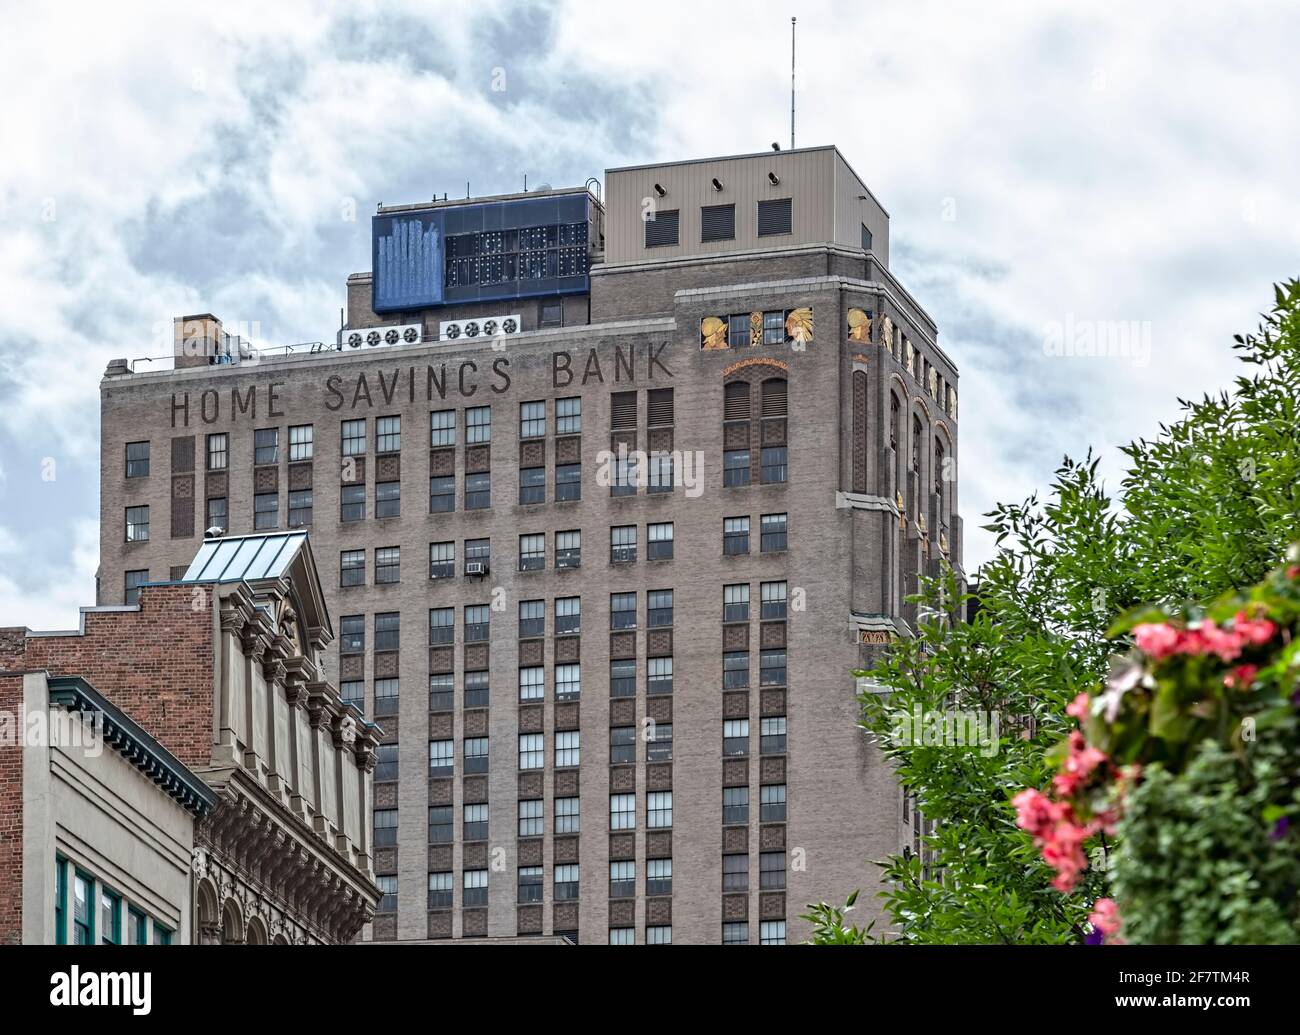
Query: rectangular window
{"x": 477, "y": 620}
{"x": 622, "y": 411}
{"x": 717, "y": 223}
{"x": 530, "y": 884}
{"x": 532, "y": 619}
{"x": 568, "y": 416}
{"x": 624, "y": 482}
{"x": 266, "y": 446}
{"x": 568, "y": 682}
{"x": 774, "y": 217}
{"x": 474, "y": 889}
{"x": 532, "y": 420}
{"x": 660, "y": 536}
{"x": 388, "y": 499}
{"x": 532, "y": 683}
{"x": 771, "y": 806}
{"x": 567, "y": 813}
{"x": 532, "y": 751}
{"x": 137, "y": 524}
{"x": 659, "y": 810}
{"x": 476, "y": 689}
{"x": 442, "y": 494}
{"x": 658, "y": 876}
{"x": 137, "y": 927}
{"x": 137, "y": 459}
{"x": 568, "y": 753}
{"x": 532, "y": 485}
{"x": 385, "y": 763}
{"x": 659, "y": 934}
{"x": 478, "y": 425}
{"x": 659, "y": 743}
{"x": 352, "y": 568}
{"x": 218, "y": 452}
{"x": 735, "y": 468}
{"x": 771, "y": 871}
{"x": 622, "y": 544}
{"x": 622, "y": 745}
{"x": 552, "y": 315}
{"x": 735, "y": 603}
{"x": 622, "y": 812}
{"x": 352, "y": 634}
{"x": 532, "y": 552}
{"x": 442, "y": 626}
{"x": 735, "y": 933}
{"x": 442, "y": 692}
{"x": 386, "y": 697}
{"x": 300, "y": 442}
{"x": 476, "y": 754}
{"x": 622, "y": 936}
{"x": 735, "y": 669}
{"x": 441, "y": 825}
{"x": 442, "y": 428}
{"x": 353, "y": 691}
{"x": 771, "y": 932}
{"x": 352, "y": 434}
{"x": 659, "y": 676}
{"x": 622, "y": 878}
{"x": 773, "y": 601}
{"x": 568, "y": 482}
{"x": 661, "y": 228}
{"x": 388, "y": 434}
{"x": 735, "y": 872}
{"x": 568, "y": 616}
{"x": 385, "y": 828}
{"x": 738, "y": 330}
{"x": 352, "y": 503}
{"x": 661, "y": 472}
{"x": 774, "y": 328}
{"x": 735, "y": 536}
{"x": 866, "y": 238}
{"x": 217, "y": 513}
{"x": 110, "y": 918}
{"x": 478, "y": 491}
{"x": 442, "y": 560}
{"x": 772, "y": 736}
{"x": 735, "y": 805}
{"x": 659, "y": 608}
{"x": 478, "y": 551}
{"x": 266, "y": 510}
{"x": 532, "y": 818}
{"x": 735, "y": 737}
{"x": 773, "y": 533}
{"x": 566, "y": 883}
{"x": 300, "y": 508}
{"x": 622, "y": 611}
{"x": 774, "y": 464}
{"x": 440, "y": 890}
{"x": 442, "y": 757}
{"x": 659, "y": 407}
{"x": 771, "y": 668}
{"x": 388, "y": 631}
{"x": 622, "y": 677}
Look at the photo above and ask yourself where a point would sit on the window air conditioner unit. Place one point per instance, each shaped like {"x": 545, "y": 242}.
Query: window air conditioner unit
{"x": 487, "y": 327}
{"x": 475, "y": 568}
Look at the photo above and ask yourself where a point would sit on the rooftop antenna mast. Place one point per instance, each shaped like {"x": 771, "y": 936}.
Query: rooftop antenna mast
{"x": 792, "y": 84}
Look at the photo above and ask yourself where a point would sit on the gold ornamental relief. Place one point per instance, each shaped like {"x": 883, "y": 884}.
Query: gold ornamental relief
{"x": 859, "y": 325}
{"x": 713, "y": 333}
{"x": 755, "y": 330}
{"x": 799, "y": 325}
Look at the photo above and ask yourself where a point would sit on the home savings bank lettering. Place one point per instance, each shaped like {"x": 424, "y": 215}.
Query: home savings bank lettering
{"x": 623, "y": 364}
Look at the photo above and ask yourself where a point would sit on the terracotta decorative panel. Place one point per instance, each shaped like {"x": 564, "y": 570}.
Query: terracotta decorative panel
{"x": 859, "y": 325}
{"x": 215, "y": 484}
{"x": 660, "y": 707}
{"x": 659, "y": 844}
{"x": 440, "y": 924}
{"x": 388, "y": 468}
{"x": 735, "y": 772}
{"x": 735, "y": 907}
{"x": 626, "y": 439}
{"x": 622, "y": 846}
{"x": 440, "y": 792}
{"x": 566, "y": 851}
{"x": 385, "y": 860}
{"x": 475, "y": 855}
{"x": 771, "y": 702}
{"x": 565, "y": 916}
{"x": 658, "y": 911}
{"x": 659, "y": 643}
{"x": 568, "y": 649}
{"x": 566, "y": 716}
{"x": 476, "y": 657}
{"x": 771, "y": 836}
{"x": 530, "y": 919}
{"x": 532, "y": 652}
{"x": 799, "y": 326}
{"x": 773, "y": 431}
{"x": 299, "y": 476}
{"x": 566, "y": 783}
{"x": 530, "y": 718}
{"x": 388, "y": 733}
{"x": 735, "y": 637}
{"x": 659, "y": 777}
{"x": 476, "y": 789}
{"x": 735, "y": 705}
{"x": 530, "y": 852}
{"x": 532, "y": 453}
{"x": 442, "y": 463}
{"x": 735, "y": 839}
{"x": 385, "y": 927}
{"x": 622, "y": 645}
{"x": 530, "y": 785}
{"x": 478, "y": 459}
{"x": 352, "y": 666}
{"x": 622, "y": 913}
{"x": 622, "y": 711}
{"x": 713, "y": 333}
{"x": 473, "y": 923}
{"x": 442, "y": 659}
{"x": 661, "y": 440}
{"x": 622, "y": 779}
{"x": 771, "y": 635}
{"x": 266, "y": 479}
{"x": 386, "y": 664}
{"x": 771, "y": 905}
{"x": 772, "y": 770}
{"x": 385, "y": 795}
{"x": 476, "y": 722}
{"x": 568, "y": 450}
{"x": 735, "y": 434}
{"x": 439, "y": 858}
{"x": 182, "y": 487}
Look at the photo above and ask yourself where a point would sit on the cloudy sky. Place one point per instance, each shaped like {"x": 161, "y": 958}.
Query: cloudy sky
{"x": 1045, "y": 166}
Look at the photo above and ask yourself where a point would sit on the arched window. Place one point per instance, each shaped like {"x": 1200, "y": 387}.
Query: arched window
{"x": 916, "y": 444}
{"x": 893, "y": 422}
{"x": 938, "y": 470}
{"x": 774, "y": 457}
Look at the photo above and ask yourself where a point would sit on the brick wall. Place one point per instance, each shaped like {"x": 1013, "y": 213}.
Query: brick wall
{"x": 156, "y": 664}
{"x": 11, "y": 820}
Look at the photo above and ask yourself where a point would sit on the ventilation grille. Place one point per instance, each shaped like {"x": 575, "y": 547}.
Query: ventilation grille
{"x": 662, "y": 230}
{"x": 735, "y": 405}
{"x": 774, "y": 217}
{"x": 718, "y": 223}
{"x": 774, "y": 403}
{"x": 623, "y": 411}
{"x": 486, "y": 327}
{"x": 401, "y": 334}
{"x": 660, "y": 406}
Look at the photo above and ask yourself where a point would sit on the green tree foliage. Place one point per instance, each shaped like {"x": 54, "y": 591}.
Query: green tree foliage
{"x": 1209, "y": 504}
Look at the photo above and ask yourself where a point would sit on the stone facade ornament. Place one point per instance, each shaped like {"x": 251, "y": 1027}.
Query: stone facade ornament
{"x": 199, "y": 863}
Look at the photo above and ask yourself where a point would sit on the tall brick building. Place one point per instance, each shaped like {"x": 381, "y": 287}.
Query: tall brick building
{"x": 609, "y": 497}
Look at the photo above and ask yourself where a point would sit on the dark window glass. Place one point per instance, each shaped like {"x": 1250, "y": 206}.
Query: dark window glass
{"x": 568, "y": 481}
{"x": 532, "y": 485}
{"x": 352, "y": 568}
{"x": 266, "y": 445}
{"x": 300, "y": 508}
{"x": 137, "y": 459}
{"x": 352, "y": 634}
{"x": 735, "y": 467}
{"x": 266, "y": 510}
{"x": 478, "y": 491}
{"x": 773, "y": 532}
{"x": 388, "y": 499}
{"x": 442, "y": 495}
{"x": 388, "y": 628}
{"x": 352, "y": 503}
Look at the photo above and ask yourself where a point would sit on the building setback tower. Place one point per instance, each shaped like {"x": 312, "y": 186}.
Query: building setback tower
{"x": 609, "y": 499}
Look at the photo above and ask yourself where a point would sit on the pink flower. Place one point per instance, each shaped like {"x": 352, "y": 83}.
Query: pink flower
{"x": 1227, "y": 644}
{"x": 1078, "y": 708}
{"x": 1293, "y": 572}
{"x": 1241, "y": 677}
{"x": 1256, "y": 631}
{"x": 1158, "y": 639}
{"x": 1105, "y": 917}
{"x": 1034, "y": 811}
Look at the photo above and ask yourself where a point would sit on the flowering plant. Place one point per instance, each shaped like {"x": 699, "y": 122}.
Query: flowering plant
{"x": 1205, "y": 690}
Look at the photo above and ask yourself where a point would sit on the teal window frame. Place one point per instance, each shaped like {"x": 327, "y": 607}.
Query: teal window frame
{"x": 137, "y": 926}
{"x": 92, "y": 906}
{"x": 60, "y": 900}
{"x": 113, "y": 937}
{"x": 161, "y": 934}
